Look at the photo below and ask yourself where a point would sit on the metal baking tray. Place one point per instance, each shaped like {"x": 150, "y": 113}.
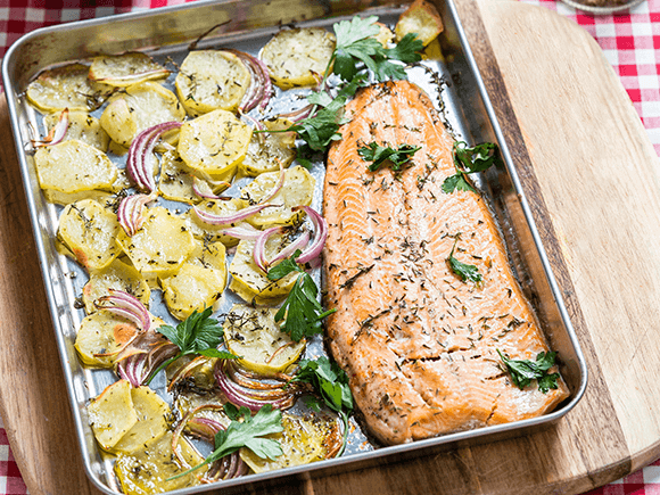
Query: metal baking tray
{"x": 456, "y": 87}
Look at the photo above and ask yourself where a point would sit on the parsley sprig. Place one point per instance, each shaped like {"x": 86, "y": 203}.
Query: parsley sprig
{"x": 248, "y": 431}
{"x": 330, "y": 382}
{"x": 197, "y": 334}
{"x": 378, "y": 155}
{"x": 524, "y": 371}
{"x": 468, "y": 161}
{"x": 464, "y": 271}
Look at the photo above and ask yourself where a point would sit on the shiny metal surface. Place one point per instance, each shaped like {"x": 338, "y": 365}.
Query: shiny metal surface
{"x": 454, "y": 84}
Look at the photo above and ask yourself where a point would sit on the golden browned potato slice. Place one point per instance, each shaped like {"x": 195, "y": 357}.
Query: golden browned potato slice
{"x": 152, "y": 414}
{"x": 119, "y": 276}
{"x": 161, "y": 245}
{"x": 141, "y": 106}
{"x": 214, "y": 144}
{"x": 112, "y": 414}
{"x": 268, "y": 150}
{"x": 298, "y": 189}
{"x": 303, "y": 440}
{"x": 253, "y": 334}
{"x": 244, "y": 270}
{"x": 74, "y": 166}
{"x": 126, "y": 69}
{"x": 104, "y": 198}
{"x": 82, "y": 127}
{"x": 99, "y": 334}
{"x": 89, "y": 231}
{"x": 66, "y": 87}
{"x": 298, "y": 57}
{"x": 211, "y": 80}
{"x": 422, "y": 19}
{"x": 385, "y": 35}
{"x": 145, "y": 472}
{"x": 199, "y": 282}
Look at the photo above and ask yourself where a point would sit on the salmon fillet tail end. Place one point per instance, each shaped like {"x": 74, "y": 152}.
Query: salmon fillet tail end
{"x": 420, "y": 346}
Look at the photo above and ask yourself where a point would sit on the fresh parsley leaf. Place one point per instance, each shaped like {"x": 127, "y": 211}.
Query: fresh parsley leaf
{"x": 468, "y": 161}
{"x": 463, "y": 270}
{"x": 321, "y": 128}
{"x": 524, "y": 371}
{"x": 379, "y": 154}
{"x": 302, "y": 313}
{"x": 248, "y": 431}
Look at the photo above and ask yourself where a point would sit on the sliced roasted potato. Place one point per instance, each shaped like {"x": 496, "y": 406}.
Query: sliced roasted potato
{"x": 267, "y": 151}
{"x": 146, "y": 471}
{"x": 74, "y": 166}
{"x": 422, "y": 19}
{"x": 112, "y": 414}
{"x": 211, "y": 80}
{"x": 209, "y": 232}
{"x": 298, "y": 189}
{"x": 176, "y": 181}
{"x": 101, "y": 334}
{"x": 137, "y": 108}
{"x": 126, "y": 69}
{"x": 161, "y": 245}
{"x": 214, "y": 143}
{"x": 298, "y": 57}
{"x": 88, "y": 230}
{"x": 152, "y": 421}
{"x": 104, "y": 198}
{"x": 244, "y": 270}
{"x": 117, "y": 275}
{"x": 199, "y": 282}
{"x": 253, "y": 334}
{"x": 303, "y": 440}
{"x": 66, "y": 87}
{"x": 82, "y": 127}
{"x": 385, "y": 35}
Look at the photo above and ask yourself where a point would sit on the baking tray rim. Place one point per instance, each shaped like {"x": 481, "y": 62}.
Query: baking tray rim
{"x": 357, "y": 458}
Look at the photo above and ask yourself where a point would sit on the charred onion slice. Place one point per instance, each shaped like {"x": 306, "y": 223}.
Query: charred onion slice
{"x": 57, "y": 133}
{"x": 137, "y": 367}
{"x": 261, "y": 89}
{"x": 138, "y": 164}
{"x": 130, "y": 212}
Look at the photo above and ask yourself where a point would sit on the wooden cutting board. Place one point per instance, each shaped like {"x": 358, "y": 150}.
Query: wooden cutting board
{"x": 593, "y": 181}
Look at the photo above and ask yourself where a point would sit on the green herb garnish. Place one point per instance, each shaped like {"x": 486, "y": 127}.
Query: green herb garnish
{"x": 464, "y": 271}
{"x": 197, "y": 334}
{"x": 524, "y": 371}
{"x": 248, "y": 431}
{"x": 330, "y": 382}
{"x": 468, "y": 161}
{"x": 377, "y": 154}
{"x": 301, "y": 310}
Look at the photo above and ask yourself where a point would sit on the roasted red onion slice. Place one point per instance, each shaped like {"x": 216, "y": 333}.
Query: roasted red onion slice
{"x": 202, "y": 188}
{"x": 127, "y": 306}
{"x": 131, "y": 78}
{"x": 148, "y": 351}
{"x": 57, "y": 133}
{"x": 298, "y": 115}
{"x": 213, "y": 219}
{"x": 130, "y": 212}
{"x": 261, "y": 89}
{"x": 259, "y": 252}
{"x": 299, "y": 243}
{"x": 320, "y": 235}
{"x": 278, "y": 185}
{"x": 138, "y": 164}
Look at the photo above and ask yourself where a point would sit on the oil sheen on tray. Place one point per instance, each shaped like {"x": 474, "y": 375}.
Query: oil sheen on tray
{"x": 420, "y": 345}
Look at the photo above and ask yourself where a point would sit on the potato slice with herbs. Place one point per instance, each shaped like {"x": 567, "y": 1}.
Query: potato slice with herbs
{"x": 209, "y": 232}
{"x": 422, "y": 19}
{"x": 267, "y": 151}
{"x": 126, "y": 69}
{"x": 176, "y": 181}
{"x": 119, "y": 276}
{"x": 74, "y": 166}
{"x": 152, "y": 421}
{"x": 66, "y": 87}
{"x": 199, "y": 282}
{"x": 298, "y": 57}
{"x": 89, "y": 231}
{"x": 303, "y": 441}
{"x": 82, "y": 127}
{"x": 298, "y": 189}
{"x": 99, "y": 335}
{"x": 146, "y": 471}
{"x": 161, "y": 245}
{"x": 112, "y": 414}
{"x": 253, "y": 334}
{"x": 104, "y": 198}
{"x": 244, "y": 270}
{"x": 210, "y": 80}
{"x": 214, "y": 143}
{"x": 137, "y": 108}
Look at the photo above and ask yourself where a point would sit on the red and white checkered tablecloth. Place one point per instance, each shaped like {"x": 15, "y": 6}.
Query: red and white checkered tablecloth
{"x": 630, "y": 42}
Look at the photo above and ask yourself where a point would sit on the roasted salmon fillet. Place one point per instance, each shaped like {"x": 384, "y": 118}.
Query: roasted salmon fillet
{"x": 419, "y": 344}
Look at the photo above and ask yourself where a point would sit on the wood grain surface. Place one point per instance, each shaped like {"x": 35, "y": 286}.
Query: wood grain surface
{"x": 592, "y": 179}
